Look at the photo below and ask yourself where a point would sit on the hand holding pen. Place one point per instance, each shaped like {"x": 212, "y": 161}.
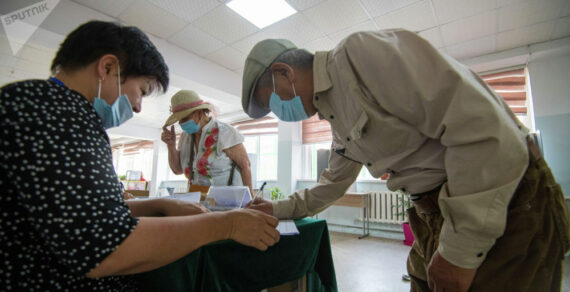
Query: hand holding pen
{"x": 260, "y": 204}
{"x": 259, "y": 191}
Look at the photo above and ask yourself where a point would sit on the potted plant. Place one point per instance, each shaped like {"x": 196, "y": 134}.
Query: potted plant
{"x": 402, "y": 204}
{"x": 276, "y": 194}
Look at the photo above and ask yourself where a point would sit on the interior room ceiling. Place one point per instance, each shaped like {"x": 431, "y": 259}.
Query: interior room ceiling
{"x": 210, "y": 30}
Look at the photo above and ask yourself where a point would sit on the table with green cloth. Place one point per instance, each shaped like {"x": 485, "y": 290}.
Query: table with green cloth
{"x": 230, "y": 266}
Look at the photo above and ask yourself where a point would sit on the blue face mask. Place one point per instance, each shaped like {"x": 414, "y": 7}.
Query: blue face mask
{"x": 190, "y": 127}
{"x": 287, "y": 110}
{"x": 115, "y": 115}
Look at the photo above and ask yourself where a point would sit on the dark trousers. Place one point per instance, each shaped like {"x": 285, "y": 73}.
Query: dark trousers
{"x": 527, "y": 257}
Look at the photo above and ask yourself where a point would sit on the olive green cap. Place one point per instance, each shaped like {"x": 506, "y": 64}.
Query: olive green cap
{"x": 259, "y": 59}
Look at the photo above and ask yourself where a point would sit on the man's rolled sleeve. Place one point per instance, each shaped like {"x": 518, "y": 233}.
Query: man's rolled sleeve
{"x": 472, "y": 224}
{"x": 333, "y": 183}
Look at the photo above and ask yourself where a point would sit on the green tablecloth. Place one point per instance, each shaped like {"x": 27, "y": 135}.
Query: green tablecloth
{"x": 230, "y": 266}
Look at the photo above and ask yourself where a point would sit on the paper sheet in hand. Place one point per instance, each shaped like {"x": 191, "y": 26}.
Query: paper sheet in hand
{"x": 193, "y": 197}
{"x": 230, "y": 196}
{"x": 287, "y": 227}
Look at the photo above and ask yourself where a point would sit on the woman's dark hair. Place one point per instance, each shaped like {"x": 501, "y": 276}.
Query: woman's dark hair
{"x": 91, "y": 40}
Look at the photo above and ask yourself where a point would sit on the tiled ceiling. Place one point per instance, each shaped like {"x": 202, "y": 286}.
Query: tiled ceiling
{"x": 461, "y": 28}
{"x": 213, "y": 32}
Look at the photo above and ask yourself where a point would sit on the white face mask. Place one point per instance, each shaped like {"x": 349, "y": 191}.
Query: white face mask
{"x": 115, "y": 115}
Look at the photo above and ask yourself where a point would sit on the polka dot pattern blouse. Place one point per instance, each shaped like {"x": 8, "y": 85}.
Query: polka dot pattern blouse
{"x": 61, "y": 207}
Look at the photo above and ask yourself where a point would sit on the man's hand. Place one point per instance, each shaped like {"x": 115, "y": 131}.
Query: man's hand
{"x": 168, "y": 136}
{"x": 180, "y": 208}
{"x": 253, "y": 228}
{"x": 445, "y": 276}
{"x": 262, "y": 205}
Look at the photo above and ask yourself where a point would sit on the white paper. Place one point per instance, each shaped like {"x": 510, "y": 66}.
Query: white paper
{"x": 287, "y": 227}
{"x": 230, "y": 196}
{"x": 193, "y": 197}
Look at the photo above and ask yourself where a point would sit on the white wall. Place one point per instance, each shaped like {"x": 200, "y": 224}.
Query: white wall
{"x": 550, "y": 80}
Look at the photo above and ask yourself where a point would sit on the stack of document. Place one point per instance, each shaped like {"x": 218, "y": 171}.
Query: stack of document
{"x": 287, "y": 227}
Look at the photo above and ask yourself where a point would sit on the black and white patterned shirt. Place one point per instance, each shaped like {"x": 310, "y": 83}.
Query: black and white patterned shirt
{"x": 61, "y": 206}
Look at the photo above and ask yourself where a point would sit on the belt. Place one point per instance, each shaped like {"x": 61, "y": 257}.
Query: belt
{"x": 426, "y": 202}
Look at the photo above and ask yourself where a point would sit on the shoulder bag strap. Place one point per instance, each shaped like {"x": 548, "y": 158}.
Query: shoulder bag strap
{"x": 191, "y": 161}
{"x": 231, "y": 179}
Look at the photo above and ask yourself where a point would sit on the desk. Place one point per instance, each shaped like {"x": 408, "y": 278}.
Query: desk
{"x": 138, "y": 193}
{"x": 360, "y": 200}
{"x": 230, "y": 266}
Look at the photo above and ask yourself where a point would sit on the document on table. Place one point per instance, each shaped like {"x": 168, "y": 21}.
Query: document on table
{"x": 287, "y": 227}
{"x": 193, "y": 197}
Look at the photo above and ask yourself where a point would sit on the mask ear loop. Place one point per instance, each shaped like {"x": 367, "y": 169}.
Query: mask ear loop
{"x": 273, "y": 79}
{"x": 294, "y": 92}
{"x": 99, "y": 90}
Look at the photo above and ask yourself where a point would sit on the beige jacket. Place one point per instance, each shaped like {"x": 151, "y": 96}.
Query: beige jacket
{"x": 398, "y": 105}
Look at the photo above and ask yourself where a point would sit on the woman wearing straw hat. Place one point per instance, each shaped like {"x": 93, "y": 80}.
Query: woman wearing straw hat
{"x": 210, "y": 152}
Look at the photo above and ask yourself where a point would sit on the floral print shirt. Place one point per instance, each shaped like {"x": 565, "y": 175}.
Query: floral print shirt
{"x": 211, "y": 165}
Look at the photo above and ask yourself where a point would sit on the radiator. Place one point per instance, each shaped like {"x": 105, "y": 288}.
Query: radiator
{"x": 388, "y": 207}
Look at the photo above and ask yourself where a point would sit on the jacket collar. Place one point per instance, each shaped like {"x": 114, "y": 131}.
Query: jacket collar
{"x": 321, "y": 80}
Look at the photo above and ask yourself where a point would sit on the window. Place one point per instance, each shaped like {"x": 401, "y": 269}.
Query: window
{"x": 317, "y": 135}
{"x": 264, "y": 148}
{"x": 309, "y": 170}
{"x": 134, "y": 156}
{"x": 172, "y": 176}
{"x": 316, "y": 131}
{"x": 365, "y": 175}
{"x": 511, "y": 85}
{"x": 261, "y": 141}
{"x": 310, "y": 159}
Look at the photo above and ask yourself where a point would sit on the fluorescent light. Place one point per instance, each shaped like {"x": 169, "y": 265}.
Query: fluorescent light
{"x": 262, "y": 12}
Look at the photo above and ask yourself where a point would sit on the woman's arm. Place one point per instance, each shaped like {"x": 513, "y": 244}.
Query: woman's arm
{"x": 164, "y": 207}
{"x": 238, "y": 154}
{"x": 156, "y": 242}
{"x": 174, "y": 160}
{"x": 169, "y": 138}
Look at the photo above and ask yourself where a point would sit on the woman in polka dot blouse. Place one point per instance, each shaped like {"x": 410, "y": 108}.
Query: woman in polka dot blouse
{"x": 64, "y": 225}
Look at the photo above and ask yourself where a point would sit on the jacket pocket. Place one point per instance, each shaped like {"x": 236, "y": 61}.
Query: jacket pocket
{"x": 359, "y": 127}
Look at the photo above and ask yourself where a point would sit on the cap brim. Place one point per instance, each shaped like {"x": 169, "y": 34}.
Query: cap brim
{"x": 175, "y": 117}
{"x": 251, "y": 75}
{"x": 255, "y": 109}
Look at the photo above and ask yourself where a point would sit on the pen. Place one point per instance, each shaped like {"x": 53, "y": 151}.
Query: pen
{"x": 259, "y": 191}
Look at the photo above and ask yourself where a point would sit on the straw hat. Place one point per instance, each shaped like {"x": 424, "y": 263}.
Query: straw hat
{"x": 183, "y": 103}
